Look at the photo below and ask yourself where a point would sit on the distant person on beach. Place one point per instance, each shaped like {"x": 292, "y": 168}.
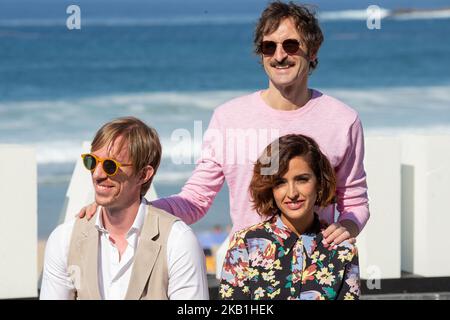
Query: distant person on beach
{"x": 131, "y": 249}
{"x": 287, "y": 40}
{"x": 284, "y": 257}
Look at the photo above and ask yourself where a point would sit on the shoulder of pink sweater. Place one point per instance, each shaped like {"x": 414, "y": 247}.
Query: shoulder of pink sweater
{"x": 335, "y": 106}
{"x": 236, "y": 105}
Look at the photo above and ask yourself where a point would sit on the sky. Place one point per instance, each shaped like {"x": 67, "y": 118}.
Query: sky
{"x": 51, "y": 9}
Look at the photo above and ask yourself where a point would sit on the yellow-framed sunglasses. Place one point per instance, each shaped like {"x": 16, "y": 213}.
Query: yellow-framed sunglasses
{"x": 110, "y": 166}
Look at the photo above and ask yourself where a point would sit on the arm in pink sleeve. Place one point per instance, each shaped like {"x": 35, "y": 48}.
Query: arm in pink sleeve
{"x": 197, "y": 195}
{"x": 351, "y": 189}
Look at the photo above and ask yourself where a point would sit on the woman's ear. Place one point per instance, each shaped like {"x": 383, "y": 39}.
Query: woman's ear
{"x": 146, "y": 174}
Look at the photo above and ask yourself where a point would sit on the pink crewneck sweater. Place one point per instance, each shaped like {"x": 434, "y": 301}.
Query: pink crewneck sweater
{"x": 239, "y": 131}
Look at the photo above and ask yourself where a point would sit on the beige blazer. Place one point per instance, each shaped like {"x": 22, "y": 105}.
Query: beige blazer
{"x": 149, "y": 276}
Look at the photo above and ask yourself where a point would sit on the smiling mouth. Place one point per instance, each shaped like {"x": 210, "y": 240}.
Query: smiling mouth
{"x": 294, "y": 205}
{"x": 282, "y": 67}
{"x": 101, "y": 188}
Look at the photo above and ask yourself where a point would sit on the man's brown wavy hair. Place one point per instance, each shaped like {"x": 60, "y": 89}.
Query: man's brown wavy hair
{"x": 280, "y": 152}
{"x": 304, "y": 19}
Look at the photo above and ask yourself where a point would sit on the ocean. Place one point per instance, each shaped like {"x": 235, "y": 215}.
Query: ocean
{"x": 58, "y": 86}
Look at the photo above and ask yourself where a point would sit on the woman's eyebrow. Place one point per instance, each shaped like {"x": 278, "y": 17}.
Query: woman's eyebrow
{"x": 303, "y": 175}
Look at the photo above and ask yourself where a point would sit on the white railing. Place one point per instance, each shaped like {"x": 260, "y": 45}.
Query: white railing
{"x": 18, "y": 222}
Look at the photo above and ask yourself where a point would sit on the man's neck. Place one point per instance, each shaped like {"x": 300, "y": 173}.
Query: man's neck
{"x": 118, "y": 221}
{"x": 286, "y": 98}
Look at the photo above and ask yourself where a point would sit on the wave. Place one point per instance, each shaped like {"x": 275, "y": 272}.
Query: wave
{"x": 176, "y": 21}
{"x": 70, "y": 122}
{"x": 76, "y": 119}
{"x": 407, "y": 100}
{"x": 400, "y": 14}
{"x": 425, "y": 14}
{"x": 134, "y": 101}
{"x": 163, "y": 177}
{"x": 64, "y": 152}
{"x": 349, "y": 15}
{"x": 57, "y": 152}
{"x": 136, "y": 22}
{"x": 31, "y": 23}
{"x": 412, "y": 109}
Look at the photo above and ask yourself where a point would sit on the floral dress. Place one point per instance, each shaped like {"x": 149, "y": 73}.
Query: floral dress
{"x": 268, "y": 261}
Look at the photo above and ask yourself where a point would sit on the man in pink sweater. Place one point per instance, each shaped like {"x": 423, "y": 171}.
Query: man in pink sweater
{"x": 287, "y": 39}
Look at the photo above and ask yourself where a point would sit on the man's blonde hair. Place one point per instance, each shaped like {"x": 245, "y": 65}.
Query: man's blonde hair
{"x": 144, "y": 147}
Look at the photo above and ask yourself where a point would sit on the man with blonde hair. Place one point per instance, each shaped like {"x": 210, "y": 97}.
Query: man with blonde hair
{"x": 130, "y": 250}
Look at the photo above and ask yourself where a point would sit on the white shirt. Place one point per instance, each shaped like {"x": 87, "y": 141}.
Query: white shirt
{"x": 185, "y": 262}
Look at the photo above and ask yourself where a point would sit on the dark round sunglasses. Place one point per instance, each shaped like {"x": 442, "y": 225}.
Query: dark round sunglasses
{"x": 110, "y": 166}
{"x": 290, "y": 46}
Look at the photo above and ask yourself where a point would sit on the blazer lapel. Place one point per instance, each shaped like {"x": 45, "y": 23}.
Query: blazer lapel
{"x": 145, "y": 257}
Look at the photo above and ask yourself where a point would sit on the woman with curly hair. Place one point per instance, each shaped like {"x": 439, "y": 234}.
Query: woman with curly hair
{"x": 284, "y": 257}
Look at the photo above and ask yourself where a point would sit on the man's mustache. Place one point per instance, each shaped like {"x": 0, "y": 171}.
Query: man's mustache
{"x": 284, "y": 63}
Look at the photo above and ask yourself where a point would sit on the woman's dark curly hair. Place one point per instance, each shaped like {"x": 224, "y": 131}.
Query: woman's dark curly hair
{"x": 279, "y": 153}
{"x": 304, "y": 18}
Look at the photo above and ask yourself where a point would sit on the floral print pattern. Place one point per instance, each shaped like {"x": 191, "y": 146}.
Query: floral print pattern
{"x": 268, "y": 261}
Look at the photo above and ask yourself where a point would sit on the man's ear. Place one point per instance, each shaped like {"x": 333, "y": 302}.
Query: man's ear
{"x": 261, "y": 60}
{"x": 146, "y": 173}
